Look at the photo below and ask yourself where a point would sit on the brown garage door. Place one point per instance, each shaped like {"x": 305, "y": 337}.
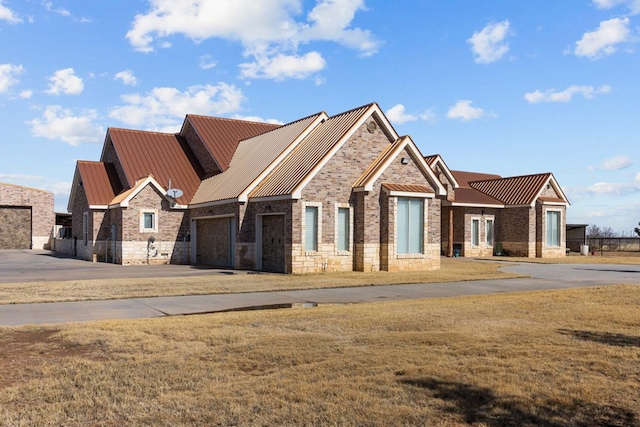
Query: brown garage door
{"x": 15, "y": 227}
{"x": 213, "y": 242}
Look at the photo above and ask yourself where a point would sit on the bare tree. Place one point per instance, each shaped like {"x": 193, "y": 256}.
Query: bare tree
{"x": 594, "y": 231}
{"x": 637, "y": 230}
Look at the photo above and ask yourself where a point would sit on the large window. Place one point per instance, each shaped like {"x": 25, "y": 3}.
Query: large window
{"x": 553, "y": 228}
{"x": 343, "y": 229}
{"x": 311, "y": 228}
{"x": 475, "y": 232}
{"x": 489, "y": 232}
{"x": 410, "y": 223}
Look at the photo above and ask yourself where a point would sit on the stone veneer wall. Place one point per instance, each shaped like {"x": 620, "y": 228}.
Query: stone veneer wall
{"x": 42, "y": 215}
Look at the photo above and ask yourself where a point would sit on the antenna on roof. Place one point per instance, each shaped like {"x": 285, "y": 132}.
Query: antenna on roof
{"x": 174, "y": 193}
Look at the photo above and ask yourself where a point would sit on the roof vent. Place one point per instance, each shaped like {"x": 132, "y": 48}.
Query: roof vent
{"x": 372, "y": 126}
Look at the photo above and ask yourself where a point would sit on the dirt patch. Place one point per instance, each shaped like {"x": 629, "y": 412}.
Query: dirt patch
{"x": 23, "y": 352}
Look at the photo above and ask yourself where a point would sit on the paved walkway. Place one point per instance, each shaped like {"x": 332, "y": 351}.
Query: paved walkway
{"x": 543, "y": 277}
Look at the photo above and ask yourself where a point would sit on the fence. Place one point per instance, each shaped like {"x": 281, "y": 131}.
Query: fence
{"x": 610, "y": 244}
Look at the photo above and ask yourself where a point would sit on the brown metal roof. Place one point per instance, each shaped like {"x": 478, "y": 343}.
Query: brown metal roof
{"x": 252, "y": 157}
{"x": 221, "y": 136}
{"x": 464, "y": 178}
{"x": 308, "y": 154}
{"x": 408, "y": 188}
{"x": 518, "y": 190}
{"x": 430, "y": 159}
{"x": 474, "y": 197}
{"x": 163, "y": 155}
{"x": 100, "y": 182}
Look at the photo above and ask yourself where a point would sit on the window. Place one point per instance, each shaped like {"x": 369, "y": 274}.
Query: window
{"x": 489, "y": 232}
{"x": 311, "y": 228}
{"x": 149, "y": 221}
{"x": 410, "y": 223}
{"x": 553, "y": 228}
{"x": 343, "y": 229}
{"x": 475, "y": 232}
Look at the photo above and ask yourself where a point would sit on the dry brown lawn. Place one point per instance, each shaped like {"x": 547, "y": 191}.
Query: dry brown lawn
{"x": 618, "y": 258}
{"x": 452, "y": 270}
{"x": 555, "y": 358}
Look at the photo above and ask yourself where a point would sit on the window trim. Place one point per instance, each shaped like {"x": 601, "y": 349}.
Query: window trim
{"x": 475, "y": 236}
{"x": 318, "y": 230}
{"x": 489, "y": 243}
{"x": 422, "y": 226}
{"x": 558, "y": 231}
{"x": 349, "y": 229}
{"x": 143, "y": 213}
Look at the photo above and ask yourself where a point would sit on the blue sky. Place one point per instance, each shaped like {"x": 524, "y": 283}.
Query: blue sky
{"x": 498, "y": 86}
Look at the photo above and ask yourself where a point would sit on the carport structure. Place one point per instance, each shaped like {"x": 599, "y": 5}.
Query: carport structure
{"x": 26, "y": 217}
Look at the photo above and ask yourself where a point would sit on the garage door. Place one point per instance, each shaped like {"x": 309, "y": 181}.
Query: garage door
{"x": 213, "y": 242}
{"x": 15, "y": 227}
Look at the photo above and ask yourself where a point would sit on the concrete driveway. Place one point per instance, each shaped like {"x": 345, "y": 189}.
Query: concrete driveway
{"x": 543, "y": 277}
{"x": 20, "y": 266}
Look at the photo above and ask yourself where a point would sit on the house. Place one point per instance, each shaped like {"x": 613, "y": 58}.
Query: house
{"x": 486, "y": 214}
{"x": 322, "y": 193}
{"x": 27, "y": 217}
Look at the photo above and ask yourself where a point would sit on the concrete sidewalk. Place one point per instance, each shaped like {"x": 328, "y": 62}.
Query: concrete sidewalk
{"x": 543, "y": 277}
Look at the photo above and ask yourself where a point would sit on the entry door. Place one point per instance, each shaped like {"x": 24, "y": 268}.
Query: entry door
{"x": 273, "y": 243}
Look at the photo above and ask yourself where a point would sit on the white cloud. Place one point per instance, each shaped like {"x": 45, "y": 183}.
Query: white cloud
{"x": 614, "y": 163}
{"x": 8, "y": 74}
{"x": 463, "y": 110}
{"x": 489, "y": 45}
{"x": 613, "y": 188}
{"x": 280, "y": 66}
{"x": 207, "y": 63}
{"x": 26, "y": 94}
{"x": 65, "y": 82}
{"x": 633, "y": 5}
{"x": 398, "y": 115}
{"x": 60, "y": 123}
{"x": 8, "y": 15}
{"x": 127, "y": 77}
{"x": 165, "y": 107}
{"x": 552, "y": 95}
{"x": 60, "y": 11}
{"x": 257, "y": 119}
{"x": 603, "y": 41}
{"x": 270, "y": 31}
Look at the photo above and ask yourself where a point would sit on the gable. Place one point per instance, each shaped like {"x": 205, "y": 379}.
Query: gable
{"x": 165, "y": 156}
{"x": 99, "y": 183}
{"x": 399, "y": 162}
{"x": 319, "y": 147}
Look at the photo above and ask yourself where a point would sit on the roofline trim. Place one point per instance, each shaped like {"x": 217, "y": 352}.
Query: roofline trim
{"x": 394, "y": 193}
{"x": 274, "y": 198}
{"x": 446, "y": 170}
{"x": 214, "y": 203}
{"x": 137, "y": 188}
{"x": 472, "y": 205}
{"x": 552, "y": 180}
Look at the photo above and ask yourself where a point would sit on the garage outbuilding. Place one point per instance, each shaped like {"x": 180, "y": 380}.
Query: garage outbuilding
{"x": 26, "y": 217}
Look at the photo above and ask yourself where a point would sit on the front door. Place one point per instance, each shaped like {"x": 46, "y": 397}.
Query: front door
{"x": 273, "y": 243}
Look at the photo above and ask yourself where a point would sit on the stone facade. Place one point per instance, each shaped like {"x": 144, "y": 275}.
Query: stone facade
{"x": 30, "y": 213}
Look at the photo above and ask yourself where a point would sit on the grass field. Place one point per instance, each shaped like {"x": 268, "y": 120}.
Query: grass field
{"x": 559, "y": 358}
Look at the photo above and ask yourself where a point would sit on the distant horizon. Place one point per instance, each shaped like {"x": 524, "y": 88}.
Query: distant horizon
{"x": 507, "y": 88}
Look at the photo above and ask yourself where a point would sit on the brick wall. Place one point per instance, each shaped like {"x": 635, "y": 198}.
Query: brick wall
{"x": 41, "y": 204}
{"x": 109, "y": 155}
{"x": 199, "y": 149}
{"x": 517, "y": 231}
